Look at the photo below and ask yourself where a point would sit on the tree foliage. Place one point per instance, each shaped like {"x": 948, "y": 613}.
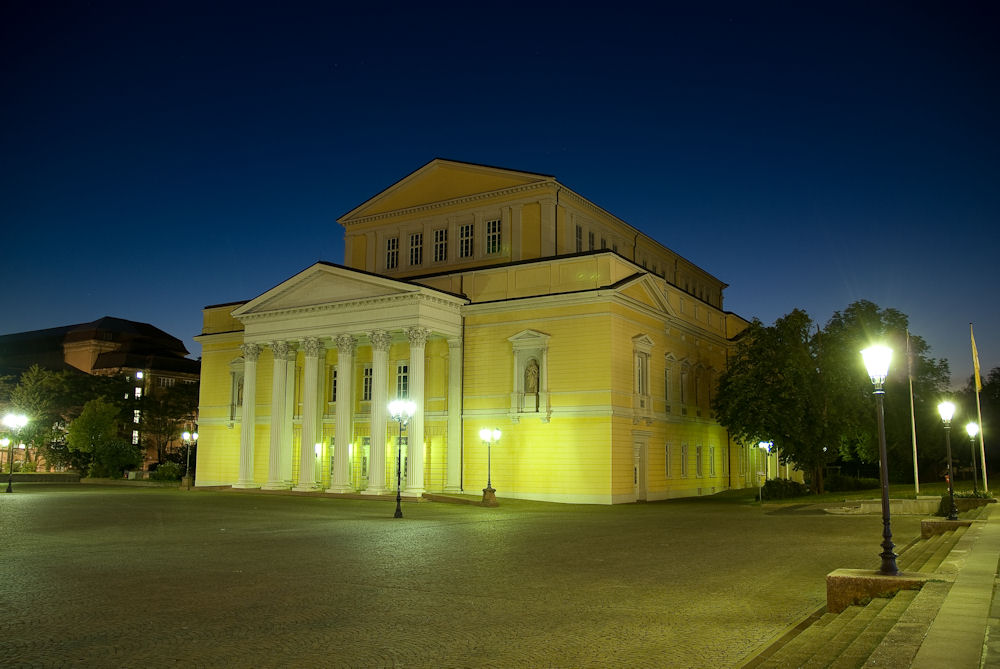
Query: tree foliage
{"x": 97, "y": 432}
{"x": 165, "y": 412}
{"x": 806, "y": 388}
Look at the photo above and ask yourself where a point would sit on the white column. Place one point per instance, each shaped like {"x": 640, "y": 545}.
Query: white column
{"x": 453, "y": 482}
{"x": 415, "y": 433}
{"x": 248, "y": 415}
{"x": 280, "y": 351}
{"x": 288, "y": 428}
{"x": 340, "y": 478}
{"x": 307, "y": 454}
{"x": 380, "y": 340}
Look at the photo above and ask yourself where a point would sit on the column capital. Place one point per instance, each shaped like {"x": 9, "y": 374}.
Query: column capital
{"x": 313, "y": 347}
{"x": 280, "y": 349}
{"x": 417, "y": 336}
{"x": 250, "y": 352}
{"x": 380, "y": 340}
{"x": 455, "y": 342}
{"x": 346, "y": 343}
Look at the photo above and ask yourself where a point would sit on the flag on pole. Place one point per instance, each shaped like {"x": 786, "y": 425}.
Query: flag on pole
{"x": 909, "y": 357}
{"x": 975, "y": 361}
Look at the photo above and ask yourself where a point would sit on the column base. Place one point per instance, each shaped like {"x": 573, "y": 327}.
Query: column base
{"x": 307, "y": 488}
{"x": 453, "y": 490}
{"x": 414, "y": 492}
{"x": 246, "y": 485}
{"x": 275, "y": 485}
{"x": 372, "y": 490}
{"x": 489, "y": 497}
{"x": 340, "y": 489}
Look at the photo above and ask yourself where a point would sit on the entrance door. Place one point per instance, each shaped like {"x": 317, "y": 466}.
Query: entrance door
{"x": 639, "y": 468}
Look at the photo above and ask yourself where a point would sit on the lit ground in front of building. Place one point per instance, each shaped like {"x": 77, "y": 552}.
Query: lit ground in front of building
{"x": 108, "y": 576}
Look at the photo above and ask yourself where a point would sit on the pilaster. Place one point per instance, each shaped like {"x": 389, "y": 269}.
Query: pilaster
{"x": 248, "y": 415}
{"x": 453, "y": 481}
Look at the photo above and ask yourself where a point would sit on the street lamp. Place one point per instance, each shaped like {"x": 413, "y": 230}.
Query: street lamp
{"x": 14, "y": 421}
{"x": 489, "y": 437}
{"x": 973, "y": 430}
{"x": 877, "y": 363}
{"x": 401, "y": 411}
{"x": 947, "y": 410}
{"x": 188, "y": 438}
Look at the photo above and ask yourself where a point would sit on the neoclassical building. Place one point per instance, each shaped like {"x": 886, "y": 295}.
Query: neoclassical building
{"x": 490, "y": 298}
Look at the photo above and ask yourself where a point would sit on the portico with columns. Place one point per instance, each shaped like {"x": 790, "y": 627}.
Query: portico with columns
{"x": 354, "y": 341}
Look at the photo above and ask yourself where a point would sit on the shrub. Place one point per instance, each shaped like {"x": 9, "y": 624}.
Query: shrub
{"x": 782, "y": 489}
{"x": 168, "y": 471}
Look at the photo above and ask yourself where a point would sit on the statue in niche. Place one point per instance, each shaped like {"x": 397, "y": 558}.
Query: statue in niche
{"x": 531, "y": 385}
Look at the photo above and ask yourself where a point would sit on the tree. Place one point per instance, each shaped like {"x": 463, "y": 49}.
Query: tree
{"x": 807, "y": 390}
{"x": 97, "y": 432}
{"x": 165, "y": 412}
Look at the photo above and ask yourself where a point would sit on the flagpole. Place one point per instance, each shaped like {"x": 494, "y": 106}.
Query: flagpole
{"x": 913, "y": 421}
{"x": 979, "y": 410}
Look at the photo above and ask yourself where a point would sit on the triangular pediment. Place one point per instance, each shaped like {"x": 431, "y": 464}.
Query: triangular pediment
{"x": 442, "y": 181}
{"x": 323, "y": 283}
{"x": 644, "y": 290}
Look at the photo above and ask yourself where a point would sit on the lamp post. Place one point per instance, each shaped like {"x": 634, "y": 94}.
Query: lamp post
{"x": 973, "y": 430}
{"x": 13, "y": 421}
{"x": 766, "y": 447}
{"x": 947, "y": 410}
{"x": 188, "y": 438}
{"x": 401, "y": 411}
{"x": 877, "y": 363}
{"x": 489, "y": 437}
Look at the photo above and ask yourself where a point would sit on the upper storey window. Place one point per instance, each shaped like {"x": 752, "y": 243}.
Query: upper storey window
{"x": 493, "y": 236}
{"x": 579, "y": 238}
{"x": 590, "y": 240}
{"x": 417, "y": 248}
{"x": 465, "y": 236}
{"x": 441, "y": 245}
{"x": 392, "y": 253}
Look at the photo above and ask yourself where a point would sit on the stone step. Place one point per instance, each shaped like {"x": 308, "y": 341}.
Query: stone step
{"x": 913, "y": 558}
{"x": 858, "y": 651}
{"x": 847, "y": 633}
{"x": 935, "y": 560}
{"x": 802, "y": 647}
{"x": 901, "y": 643}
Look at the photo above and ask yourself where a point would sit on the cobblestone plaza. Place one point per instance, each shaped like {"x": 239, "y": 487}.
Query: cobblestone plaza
{"x": 127, "y": 577}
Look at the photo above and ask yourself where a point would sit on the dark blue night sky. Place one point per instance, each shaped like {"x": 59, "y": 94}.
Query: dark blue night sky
{"x": 159, "y": 157}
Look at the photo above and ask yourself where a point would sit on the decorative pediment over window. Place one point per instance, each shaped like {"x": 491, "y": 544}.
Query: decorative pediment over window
{"x": 530, "y": 394}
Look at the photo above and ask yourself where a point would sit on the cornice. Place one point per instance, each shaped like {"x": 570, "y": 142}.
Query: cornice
{"x": 465, "y": 199}
{"x": 349, "y": 306}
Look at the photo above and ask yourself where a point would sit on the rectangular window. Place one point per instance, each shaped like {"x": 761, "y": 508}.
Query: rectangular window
{"x": 135, "y": 416}
{"x": 666, "y": 385}
{"x": 684, "y": 382}
{"x": 366, "y": 385}
{"x": 333, "y": 384}
{"x": 392, "y": 253}
{"x": 440, "y": 245}
{"x": 579, "y": 238}
{"x": 666, "y": 459}
{"x": 590, "y": 240}
{"x": 493, "y": 236}
{"x": 684, "y": 460}
{"x": 402, "y": 381}
{"x": 614, "y": 247}
{"x": 135, "y": 437}
{"x": 417, "y": 248}
{"x": 711, "y": 460}
{"x": 138, "y": 393}
{"x": 699, "y": 465}
{"x": 465, "y": 237}
{"x": 604, "y": 244}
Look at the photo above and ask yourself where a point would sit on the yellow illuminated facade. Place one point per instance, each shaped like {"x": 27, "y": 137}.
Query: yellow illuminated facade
{"x": 491, "y": 298}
